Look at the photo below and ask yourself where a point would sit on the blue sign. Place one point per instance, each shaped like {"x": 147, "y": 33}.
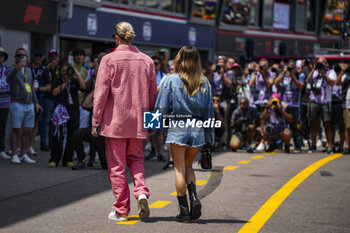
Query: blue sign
{"x": 100, "y": 25}
{"x": 152, "y": 120}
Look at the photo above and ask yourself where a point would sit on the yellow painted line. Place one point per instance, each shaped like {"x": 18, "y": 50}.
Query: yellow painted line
{"x": 201, "y": 182}
{"x": 257, "y": 157}
{"x": 132, "y": 219}
{"x": 230, "y": 167}
{"x": 270, "y": 153}
{"x": 175, "y": 193}
{"x": 243, "y": 162}
{"x": 213, "y": 174}
{"x": 267, "y": 210}
{"x": 159, "y": 204}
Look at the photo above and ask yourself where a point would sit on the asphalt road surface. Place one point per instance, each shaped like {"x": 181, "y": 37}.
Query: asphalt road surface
{"x": 243, "y": 193}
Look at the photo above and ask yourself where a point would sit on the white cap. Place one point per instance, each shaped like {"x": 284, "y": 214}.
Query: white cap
{"x": 298, "y": 63}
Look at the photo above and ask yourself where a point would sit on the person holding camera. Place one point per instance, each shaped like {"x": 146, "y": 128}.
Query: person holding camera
{"x": 291, "y": 82}
{"x": 343, "y": 79}
{"x": 322, "y": 80}
{"x": 23, "y": 105}
{"x": 260, "y": 85}
{"x": 65, "y": 90}
{"x": 275, "y": 121}
{"x": 244, "y": 89}
{"x": 306, "y": 69}
{"x": 243, "y": 123}
{"x": 223, "y": 85}
{"x": 337, "y": 118}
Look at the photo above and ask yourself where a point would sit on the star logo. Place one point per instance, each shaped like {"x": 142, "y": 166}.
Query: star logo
{"x": 152, "y": 120}
{"x": 156, "y": 115}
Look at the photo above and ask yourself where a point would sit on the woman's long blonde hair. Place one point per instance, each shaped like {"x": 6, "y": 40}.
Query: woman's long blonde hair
{"x": 187, "y": 64}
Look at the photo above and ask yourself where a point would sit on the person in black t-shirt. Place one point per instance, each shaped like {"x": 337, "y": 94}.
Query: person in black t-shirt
{"x": 42, "y": 86}
{"x": 65, "y": 90}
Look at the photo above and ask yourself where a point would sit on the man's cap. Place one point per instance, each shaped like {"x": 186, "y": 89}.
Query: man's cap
{"x": 165, "y": 50}
{"x": 236, "y": 65}
{"x": 53, "y": 52}
{"x": 276, "y": 95}
{"x": 2, "y": 50}
{"x": 39, "y": 51}
{"x": 298, "y": 63}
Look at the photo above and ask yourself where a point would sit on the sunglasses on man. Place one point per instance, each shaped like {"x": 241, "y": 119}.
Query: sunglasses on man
{"x": 21, "y": 55}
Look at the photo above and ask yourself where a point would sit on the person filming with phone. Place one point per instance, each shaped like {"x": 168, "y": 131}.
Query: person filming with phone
{"x": 23, "y": 105}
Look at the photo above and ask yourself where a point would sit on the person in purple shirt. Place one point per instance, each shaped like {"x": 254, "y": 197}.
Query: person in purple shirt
{"x": 290, "y": 83}
{"x": 260, "y": 85}
{"x": 337, "y": 107}
{"x": 322, "y": 79}
{"x": 275, "y": 123}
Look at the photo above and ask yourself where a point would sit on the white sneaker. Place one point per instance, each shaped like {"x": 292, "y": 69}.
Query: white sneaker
{"x": 261, "y": 147}
{"x": 3, "y": 155}
{"x": 31, "y": 151}
{"x": 15, "y": 159}
{"x": 87, "y": 149}
{"x": 142, "y": 204}
{"x": 148, "y": 146}
{"x": 114, "y": 216}
{"x": 26, "y": 159}
{"x": 319, "y": 143}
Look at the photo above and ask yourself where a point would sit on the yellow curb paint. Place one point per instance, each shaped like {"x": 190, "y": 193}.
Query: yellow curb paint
{"x": 243, "y": 162}
{"x": 258, "y": 157}
{"x": 175, "y": 193}
{"x": 230, "y": 167}
{"x": 159, "y": 204}
{"x": 267, "y": 210}
{"x": 201, "y": 182}
{"x": 270, "y": 153}
{"x": 132, "y": 219}
{"x": 215, "y": 174}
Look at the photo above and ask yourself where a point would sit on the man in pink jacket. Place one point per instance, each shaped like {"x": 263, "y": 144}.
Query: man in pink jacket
{"x": 125, "y": 88}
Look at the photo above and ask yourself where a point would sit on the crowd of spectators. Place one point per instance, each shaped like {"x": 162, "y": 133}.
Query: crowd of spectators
{"x": 262, "y": 105}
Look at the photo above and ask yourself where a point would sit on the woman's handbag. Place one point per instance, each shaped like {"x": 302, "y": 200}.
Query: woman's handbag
{"x": 205, "y": 160}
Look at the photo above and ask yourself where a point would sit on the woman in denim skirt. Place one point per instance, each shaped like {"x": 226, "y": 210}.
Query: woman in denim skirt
{"x": 185, "y": 102}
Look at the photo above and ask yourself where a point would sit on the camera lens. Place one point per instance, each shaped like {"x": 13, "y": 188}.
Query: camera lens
{"x": 274, "y": 70}
{"x": 70, "y": 71}
{"x": 261, "y": 67}
{"x": 290, "y": 69}
{"x": 319, "y": 66}
{"x": 274, "y": 103}
{"x": 337, "y": 68}
{"x": 250, "y": 71}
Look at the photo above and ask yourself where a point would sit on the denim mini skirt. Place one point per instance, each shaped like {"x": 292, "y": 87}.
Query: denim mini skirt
{"x": 191, "y": 136}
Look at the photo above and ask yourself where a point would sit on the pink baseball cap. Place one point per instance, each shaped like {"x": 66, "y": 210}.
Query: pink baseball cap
{"x": 53, "y": 51}
{"x": 275, "y": 95}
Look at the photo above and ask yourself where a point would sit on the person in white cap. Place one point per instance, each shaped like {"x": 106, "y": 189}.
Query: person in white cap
{"x": 23, "y": 105}
{"x": 5, "y": 99}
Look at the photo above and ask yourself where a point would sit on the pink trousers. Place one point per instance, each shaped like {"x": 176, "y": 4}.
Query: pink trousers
{"x": 121, "y": 153}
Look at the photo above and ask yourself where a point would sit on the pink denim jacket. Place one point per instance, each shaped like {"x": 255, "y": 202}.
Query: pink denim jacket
{"x": 125, "y": 88}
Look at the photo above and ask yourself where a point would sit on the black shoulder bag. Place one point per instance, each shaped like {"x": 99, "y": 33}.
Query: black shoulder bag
{"x": 205, "y": 161}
